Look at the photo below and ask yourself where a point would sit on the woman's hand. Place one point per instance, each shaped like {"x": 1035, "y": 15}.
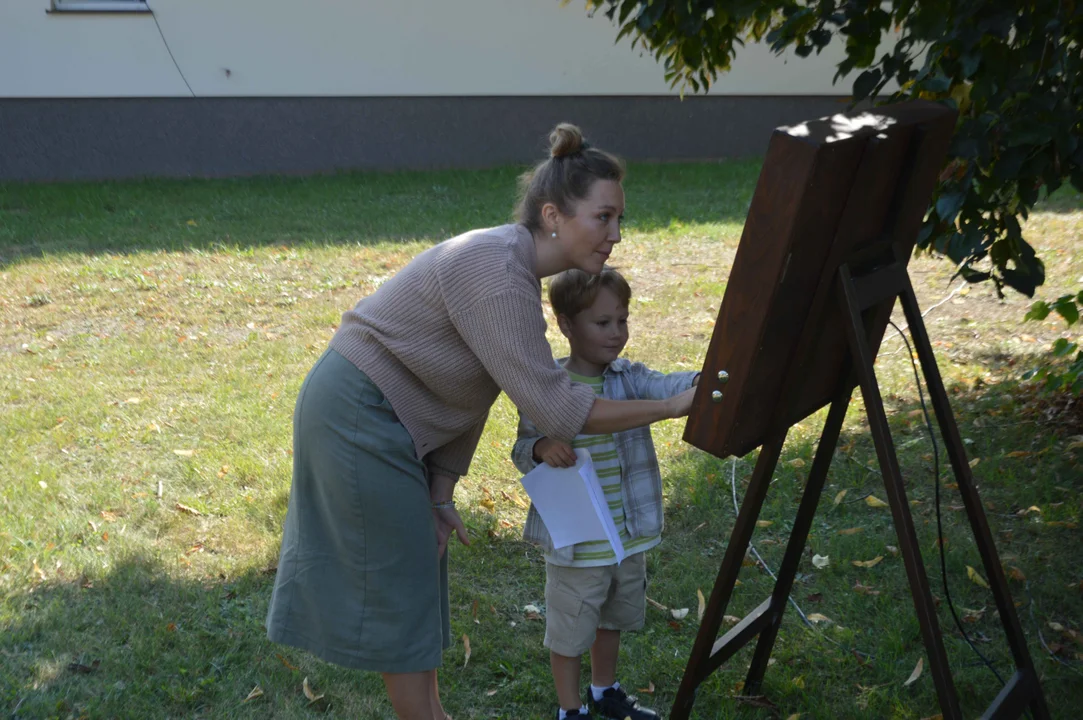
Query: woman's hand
{"x": 554, "y": 453}
{"x": 680, "y": 405}
{"x": 445, "y": 519}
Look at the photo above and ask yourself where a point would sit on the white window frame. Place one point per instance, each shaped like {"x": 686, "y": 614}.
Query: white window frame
{"x": 102, "y": 6}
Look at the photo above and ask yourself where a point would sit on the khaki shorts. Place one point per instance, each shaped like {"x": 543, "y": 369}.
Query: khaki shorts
{"x": 581, "y": 600}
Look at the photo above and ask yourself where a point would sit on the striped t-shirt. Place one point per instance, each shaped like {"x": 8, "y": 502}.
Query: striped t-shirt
{"x": 603, "y": 453}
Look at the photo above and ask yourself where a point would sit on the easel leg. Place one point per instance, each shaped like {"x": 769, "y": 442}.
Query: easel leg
{"x": 896, "y": 493}
{"x": 787, "y": 571}
{"x": 975, "y": 513}
{"x": 698, "y": 662}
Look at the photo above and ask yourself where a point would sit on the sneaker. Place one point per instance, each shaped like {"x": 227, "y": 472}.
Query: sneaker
{"x": 575, "y": 714}
{"x": 619, "y": 705}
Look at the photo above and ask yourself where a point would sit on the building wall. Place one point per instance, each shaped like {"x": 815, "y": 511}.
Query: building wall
{"x": 327, "y": 85}
{"x": 353, "y": 48}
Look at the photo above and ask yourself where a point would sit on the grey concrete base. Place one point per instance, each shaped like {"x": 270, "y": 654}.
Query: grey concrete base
{"x": 85, "y": 139}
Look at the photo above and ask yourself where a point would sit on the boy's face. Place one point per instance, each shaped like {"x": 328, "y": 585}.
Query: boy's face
{"x": 599, "y": 333}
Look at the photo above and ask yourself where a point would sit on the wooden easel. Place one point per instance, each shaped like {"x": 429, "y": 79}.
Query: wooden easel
{"x": 850, "y": 276}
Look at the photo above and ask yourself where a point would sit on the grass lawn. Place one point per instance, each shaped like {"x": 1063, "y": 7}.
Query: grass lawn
{"x": 153, "y": 337}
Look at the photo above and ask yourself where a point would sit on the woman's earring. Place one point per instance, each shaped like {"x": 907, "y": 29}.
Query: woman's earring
{"x": 554, "y": 233}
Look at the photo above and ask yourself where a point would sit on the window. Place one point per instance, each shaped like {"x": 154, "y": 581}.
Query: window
{"x": 105, "y": 6}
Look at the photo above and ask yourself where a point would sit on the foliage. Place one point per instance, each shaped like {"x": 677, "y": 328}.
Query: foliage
{"x": 1012, "y": 69}
{"x": 1067, "y": 375}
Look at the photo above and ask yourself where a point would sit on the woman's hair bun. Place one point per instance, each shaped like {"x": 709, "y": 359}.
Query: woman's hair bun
{"x": 566, "y": 139}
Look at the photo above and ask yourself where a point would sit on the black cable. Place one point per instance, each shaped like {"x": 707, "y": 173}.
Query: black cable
{"x": 939, "y": 525}
{"x": 166, "y": 43}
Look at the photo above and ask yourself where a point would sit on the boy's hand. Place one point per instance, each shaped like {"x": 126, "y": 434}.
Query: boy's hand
{"x": 554, "y": 453}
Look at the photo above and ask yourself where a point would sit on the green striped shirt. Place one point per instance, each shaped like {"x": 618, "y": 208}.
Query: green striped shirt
{"x": 603, "y": 453}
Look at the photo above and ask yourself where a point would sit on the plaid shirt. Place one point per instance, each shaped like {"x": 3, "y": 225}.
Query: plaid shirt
{"x": 641, "y": 481}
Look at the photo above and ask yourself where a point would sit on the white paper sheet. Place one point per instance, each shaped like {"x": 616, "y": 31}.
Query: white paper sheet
{"x": 572, "y": 504}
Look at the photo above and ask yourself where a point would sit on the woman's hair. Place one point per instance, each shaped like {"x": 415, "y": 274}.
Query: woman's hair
{"x": 573, "y": 291}
{"x": 567, "y": 175}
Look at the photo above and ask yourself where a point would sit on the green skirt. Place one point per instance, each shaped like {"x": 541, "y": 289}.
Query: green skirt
{"x": 359, "y": 581}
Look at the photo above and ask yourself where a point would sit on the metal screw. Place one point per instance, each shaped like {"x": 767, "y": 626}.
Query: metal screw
{"x": 716, "y": 396}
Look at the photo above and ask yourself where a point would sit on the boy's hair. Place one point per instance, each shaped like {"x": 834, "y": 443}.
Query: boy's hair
{"x": 573, "y": 291}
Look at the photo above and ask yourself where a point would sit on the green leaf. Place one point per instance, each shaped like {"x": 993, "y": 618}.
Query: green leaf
{"x": 1067, "y": 309}
{"x": 1038, "y": 311}
{"x": 1062, "y": 347}
{"x": 865, "y": 83}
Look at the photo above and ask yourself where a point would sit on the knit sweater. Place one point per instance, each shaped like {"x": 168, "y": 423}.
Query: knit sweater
{"x": 461, "y": 322}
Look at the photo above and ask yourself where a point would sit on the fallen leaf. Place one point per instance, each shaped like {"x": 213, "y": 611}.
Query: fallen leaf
{"x": 797, "y": 463}
{"x": 731, "y": 619}
{"x": 974, "y": 462}
{"x": 1029, "y": 510}
{"x": 817, "y": 618}
{"x": 1016, "y": 574}
{"x": 38, "y": 571}
{"x": 976, "y": 578}
{"x": 532, "y": 612}
{"x": 938, "y": 716}
{"x": 795, "y": 716}
{"x": 649, "y": 689}
{"x": 815, "y": 597}
{"x": 916, "y": 674}
{"x": 674, "y": 624}
{"x": 840, "y": 496}
{"x": 1056, "y": 627}
{"x": 799, "y": 681}
{"x": 490, "y": 693}
{"x": 893, "y": 550}
{"x": 679, "y": 614}
{"x": 256, "y": 692}
{"x": 700, "y": 526}
{"x": 702, "y": 604}
{"x": 1018, "y": 454}
{"x": 184, "y": 453}
{"x": 171, "y": 627}
{"x": 189, "y": 510}
{"x": 285, "y": 662}
{"x": 972, "y": 616}
{"x": 312, "y": 697}
{"x": 109, "y": 515}
{"x": 821, "y": 561}
{"x": 868, "y": 563}
{"x": 466, "y": 649}
{"x": 864, "y": 589}
{"x": 474, "y": 612}
{"x": 764, "y": 523}
{"x": 875, "y": 502}
{"x": 850, "y": 531}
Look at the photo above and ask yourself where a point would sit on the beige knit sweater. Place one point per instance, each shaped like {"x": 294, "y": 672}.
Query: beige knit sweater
{"x": 461, "y": 322}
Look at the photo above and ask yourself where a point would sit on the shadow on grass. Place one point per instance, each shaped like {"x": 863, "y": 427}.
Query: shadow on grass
{"x": 1020, "y": 463}
{"x": 353, "y": 208}
{"x": 137, "y": 642}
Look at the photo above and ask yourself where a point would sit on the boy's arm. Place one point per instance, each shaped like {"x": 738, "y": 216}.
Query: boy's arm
{"x": 653, "y": 385}
{"x": 531, "y": 448}
{"x": 522, "y": 454}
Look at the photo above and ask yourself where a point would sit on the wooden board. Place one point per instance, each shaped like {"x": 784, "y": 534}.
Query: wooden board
{"x": 857, "y": 182}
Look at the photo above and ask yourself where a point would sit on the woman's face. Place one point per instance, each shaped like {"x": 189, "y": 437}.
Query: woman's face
{"x": 588, "y": 235}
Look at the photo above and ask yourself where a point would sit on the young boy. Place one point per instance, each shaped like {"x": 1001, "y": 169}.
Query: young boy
{"x": 589, "y": 598}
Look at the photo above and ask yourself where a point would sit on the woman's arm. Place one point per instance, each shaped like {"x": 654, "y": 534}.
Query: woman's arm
{"x": 610, "y": 416}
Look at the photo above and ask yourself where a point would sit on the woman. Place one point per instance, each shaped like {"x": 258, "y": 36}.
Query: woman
{"x": 389, "y": 417}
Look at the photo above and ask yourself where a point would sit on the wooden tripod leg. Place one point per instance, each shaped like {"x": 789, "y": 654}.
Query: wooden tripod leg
{"x": 1028, "y": 684}
{"x": 787, "y": 571}
{"x": 703, "y": 659}
{"x": 896, "y": 493}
